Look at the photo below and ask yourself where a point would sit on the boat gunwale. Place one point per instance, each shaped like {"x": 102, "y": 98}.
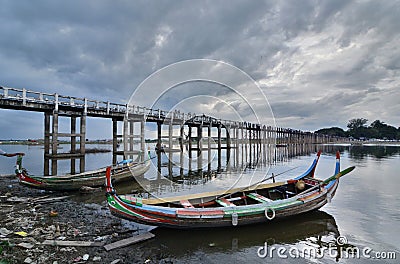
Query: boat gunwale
{"x": 275, "y": 204}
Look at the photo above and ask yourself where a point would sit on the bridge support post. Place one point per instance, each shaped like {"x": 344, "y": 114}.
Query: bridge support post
{"x": 142, "y": 139}
{"x": 228, "y": 145}
{"x": 125, "y": 136}
{"x": 237, "y": 128}
{"x": 190, "y": 142}
{"x": 228, "y": 137}
{"x": 242, "y": 142}
{"x": 159, "y": 124}
{"x": 82, "y": 142}
{"x": 54, "y": 142}
{"x": 51, "y": 143}
{"x": 209, "y": 146}
{"x": 115, "y": 139}
{"x": 73, "y": 134}
{"x": 181, "y": 136}
{"x": 237, "y": 146}
{"x": 182, "y": 133}
{"x": 131, "y": 133}
{"x": 170, "y": 136}
{"x": 263, "y": 144}
{"x": 46, "y": 169}
{"x": 251, "y": 141}
{"x": 219, "y": 146}
{"x": 170, "y": 146}
{"x": 73, "y": 142}
{"x": 199, "y": 138}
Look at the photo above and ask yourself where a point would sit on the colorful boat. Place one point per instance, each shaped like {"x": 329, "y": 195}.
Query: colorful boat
{"x": 240, "y": 206}
{"x": 96, "y": 178}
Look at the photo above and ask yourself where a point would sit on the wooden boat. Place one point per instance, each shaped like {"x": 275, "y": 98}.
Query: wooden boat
{"x": 241, "y": 206}
{"x": 124, "y": 170}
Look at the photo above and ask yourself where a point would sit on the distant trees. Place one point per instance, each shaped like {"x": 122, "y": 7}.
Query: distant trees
{"x": 357, "y": 128}
{"x": 333, "y": 131}
{"x": 384, "y": 131}
{"x": 356, "y": 123}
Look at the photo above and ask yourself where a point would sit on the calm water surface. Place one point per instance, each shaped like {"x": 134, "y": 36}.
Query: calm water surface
{"x": 365, "y": 210}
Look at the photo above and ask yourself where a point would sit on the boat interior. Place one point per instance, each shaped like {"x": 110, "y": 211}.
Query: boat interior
{"x": 263, "y": 193}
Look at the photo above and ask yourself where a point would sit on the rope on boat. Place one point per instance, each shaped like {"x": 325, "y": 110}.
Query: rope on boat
{"x": 267, "y": 209}
{"x": 235, "y": 219}
{"x": 328, "y": 197}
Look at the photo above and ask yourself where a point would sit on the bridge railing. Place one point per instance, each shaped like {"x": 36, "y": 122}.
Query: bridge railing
{"x": 55, "y": 99}
{"x": 27, "y": 96}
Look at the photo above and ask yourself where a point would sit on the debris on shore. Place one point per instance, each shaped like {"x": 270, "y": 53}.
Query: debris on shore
{"x": 53, "y": 228}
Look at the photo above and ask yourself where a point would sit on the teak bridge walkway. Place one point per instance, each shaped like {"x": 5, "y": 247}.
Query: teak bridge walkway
{"x": 229, "y": 133}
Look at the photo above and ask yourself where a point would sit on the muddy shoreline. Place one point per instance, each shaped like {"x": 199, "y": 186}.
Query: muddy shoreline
{"x": 25, "y": 210}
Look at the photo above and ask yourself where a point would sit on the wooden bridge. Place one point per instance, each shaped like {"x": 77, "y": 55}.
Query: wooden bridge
{"x": 230, "y": 134}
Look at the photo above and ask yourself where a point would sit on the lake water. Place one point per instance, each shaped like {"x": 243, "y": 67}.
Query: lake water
{"x": 364, "y": 214}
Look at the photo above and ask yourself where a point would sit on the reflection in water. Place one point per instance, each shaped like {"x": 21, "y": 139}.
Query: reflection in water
{"x": 317, "y": 228}
{"x": 179, "y": 166}
{"x": 378, "y": 152}
{"x": 219, "y": 170}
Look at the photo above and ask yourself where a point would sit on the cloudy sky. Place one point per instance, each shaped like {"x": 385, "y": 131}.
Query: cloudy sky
{"x": 319, "y": 63}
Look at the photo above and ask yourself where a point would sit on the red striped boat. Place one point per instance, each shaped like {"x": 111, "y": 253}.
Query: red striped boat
{"x": 240, "y": 206}
{"x": 124, "y": 171}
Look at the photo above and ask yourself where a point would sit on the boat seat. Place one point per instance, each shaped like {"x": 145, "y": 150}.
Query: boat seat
{"x": 259, "y": 198}
{"x": 186, "y": 204}
{"x": 234, "y": 199}
{"x": 284, "y": 192}
{"x": 224, "y": 202}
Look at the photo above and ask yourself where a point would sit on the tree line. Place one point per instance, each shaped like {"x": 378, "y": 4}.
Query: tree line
{"x": 358, "y": 129}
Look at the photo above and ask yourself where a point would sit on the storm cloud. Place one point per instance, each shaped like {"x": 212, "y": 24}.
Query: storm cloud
{"x": 320, "y": 63}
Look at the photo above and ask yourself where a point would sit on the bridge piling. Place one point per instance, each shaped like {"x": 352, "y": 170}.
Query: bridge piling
{"x": 46, "y": 142}
{"x": 54, "y": 143}
{"x": 82, "y": 142}
{"x": 190, "y": 141}
{"x": 73, "y": 142}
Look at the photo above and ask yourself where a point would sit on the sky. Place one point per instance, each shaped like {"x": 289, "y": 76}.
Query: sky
{"x": 319, "y": 63}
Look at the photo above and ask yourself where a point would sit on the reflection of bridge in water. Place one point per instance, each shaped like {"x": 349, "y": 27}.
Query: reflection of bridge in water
{"x": 260, "y": 143}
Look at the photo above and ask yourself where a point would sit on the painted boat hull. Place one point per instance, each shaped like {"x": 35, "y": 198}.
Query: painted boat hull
{"x": 91, "y": 178}
{"x": 253, "y": 205}
{"x": 219, "y": 217}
